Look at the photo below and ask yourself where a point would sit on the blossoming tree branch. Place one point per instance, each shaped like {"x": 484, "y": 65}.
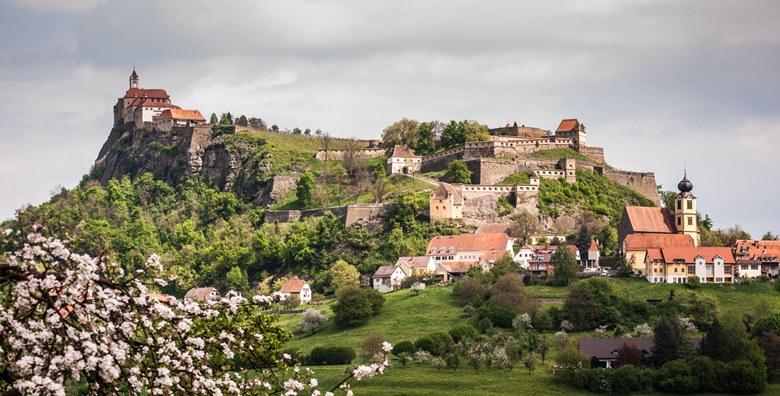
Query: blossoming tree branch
{"x": 70, "y": 320}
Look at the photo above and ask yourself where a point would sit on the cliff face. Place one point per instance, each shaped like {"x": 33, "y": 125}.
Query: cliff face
{"x": 184, "y": 152}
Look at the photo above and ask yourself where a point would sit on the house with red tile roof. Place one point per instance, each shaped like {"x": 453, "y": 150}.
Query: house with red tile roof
{"x": 403, "y": 160}
{"x": 757, "y": 258}
{"x": 635, "y": 247}
{"x": 295, "y": 287}
{"x": 477, "y": 249}
{"x": 176, "y": 117}
{"x": 678, "y": 264}
{"x": 572, "y": 128}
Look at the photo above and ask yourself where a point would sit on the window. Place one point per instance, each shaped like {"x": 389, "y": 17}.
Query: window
{"x": 691, "y": 269}
{"x": 690, "y": 220}
{"x": 689, "y": 204}
{"x": 754, "y": 266}
{"x": 727, "y": 269}
{"x": 679, "y": 221}
{"x": 679, "y": 205}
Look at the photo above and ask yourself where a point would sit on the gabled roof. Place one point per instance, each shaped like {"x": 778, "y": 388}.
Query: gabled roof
{"x": 151, "y": 103}
{"x": 650, "y": 219}
{"x": 446, "y": 190}
{"x": 648, "y": 241}
{"x": 293, "y": 286}
{"x": 384, "y": 271}
{"x": 458, "y": 267}
{"x": 689, "y": 254}
{"x": 753, "y": 249}
{"x": 594, "y": 247}
{"x": 182, "y": 114}
{"x": 494, "y": 228}
{"x": 453, "y": 244}
{"x": 568, "y": 125}
{"x": 147, "y": 93}
{"x": 414, "y": 261}
{"x": 403, "y": 151}
{"x": 606, "y": 348}
{"x": 200, "y": 293}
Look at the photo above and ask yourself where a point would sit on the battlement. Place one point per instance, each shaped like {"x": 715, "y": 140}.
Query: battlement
{"x": 338, "y": 155}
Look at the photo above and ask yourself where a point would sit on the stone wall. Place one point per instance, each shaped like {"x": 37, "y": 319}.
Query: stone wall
{"x": 371, "y": 213}
{"x": 596, "y": 154}
{"x": 439, "y": 161}
{"x": 278, "y": 189}
{"x": 641, "y": 182}
{"x": 338, "y": 155}
{"x": 289, "y": 216}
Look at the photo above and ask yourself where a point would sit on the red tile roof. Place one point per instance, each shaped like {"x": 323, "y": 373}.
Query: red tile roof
{"x": 568, "y": 125}
{"x": 182, "y": 114}
{"x": 494, "y": 228}
{"x": 146, "y": 93}
{"x": 593, "y": 246}
{"x": 650, "y": 219}
{"x": 757, "y": 250}
{"x": 458, "y": 267}
{"x": 403, "y": 151}
{"x": 491, "y": 246}
{"x": 384, "y": 271}
{"x": 647, "y": 241}
{"x": 293, "y": 286}
{"x": 414, "y": 261}
{"x": 654, "y": 254}
{"x": 689, "y": 254}
{"x": 151, "y": 103}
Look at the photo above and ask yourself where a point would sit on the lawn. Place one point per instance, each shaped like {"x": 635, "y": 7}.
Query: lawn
{"x": 556, "y": 154}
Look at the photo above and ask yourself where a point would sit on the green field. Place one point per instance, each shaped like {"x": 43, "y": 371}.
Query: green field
{"x": 407, "y": 317}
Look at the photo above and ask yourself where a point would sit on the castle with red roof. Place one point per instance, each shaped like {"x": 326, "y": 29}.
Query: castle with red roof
{"x": 151, "y": 108}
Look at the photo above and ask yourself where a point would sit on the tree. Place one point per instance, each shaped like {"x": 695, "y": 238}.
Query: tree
{"x": 236, "y": 279}
{"x": 470, "y": 292}
{"x": 508, "y": 291}
{"x": 257, "y": 123}
{"x": 226, "y": 119}
{"x": 770, "y": 344}
{"x": 524, "y": 224}
{"x": 291, "y": 301}
{"x": 668, "y": 198}
{"x": 342, "y": 274}
{"x": 457, "y": 172}
{"x": 214, "y": 119}
{"x": 727, "y": 340}
{"x": 669, "y": 340}
{"x": 456, "y": 133}
{"x": 372, "y": 347}
{"x": 544, "y": 347}
{"x": 354, "y": 306}
{"x": 565, "y": 266}
{"x": 529, "y": 362}
{"x": 305, "y": 188}
{"x": 768, "y": 236}
{"x": 242, "y": 121}
{"x": 71, "y": 321}
{"x": 311, "y": 320}
{"x": 404, "y": 131}
{"x": 628, "y": 354}
{"x": 424, "y": 143}
{"x": 296, "y": 131}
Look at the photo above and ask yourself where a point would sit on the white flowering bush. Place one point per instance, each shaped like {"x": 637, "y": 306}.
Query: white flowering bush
{"x": 643, "y": 330}
{"x": 522, "y": 322}
{"x": 68, "y": 319}
{"x": 687, "y": 325}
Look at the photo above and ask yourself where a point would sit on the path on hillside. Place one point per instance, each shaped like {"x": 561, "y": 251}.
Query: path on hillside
{"x": 424, "y": 179}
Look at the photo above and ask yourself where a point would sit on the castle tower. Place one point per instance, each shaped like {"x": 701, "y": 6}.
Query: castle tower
{"x": 685, "y": 210}
{"x": 134, "y": 80}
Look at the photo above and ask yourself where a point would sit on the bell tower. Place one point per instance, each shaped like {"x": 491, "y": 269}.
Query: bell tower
{"x": 134, "y": 80}
{"x": 685, "y": 210}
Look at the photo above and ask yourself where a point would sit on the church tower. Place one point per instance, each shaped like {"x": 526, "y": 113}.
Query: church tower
{"x": 685, "y": 210}
{"x": 134, "y": 80}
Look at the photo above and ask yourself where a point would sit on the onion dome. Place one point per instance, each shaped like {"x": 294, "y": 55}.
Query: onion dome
{"x": 685, "y": 185}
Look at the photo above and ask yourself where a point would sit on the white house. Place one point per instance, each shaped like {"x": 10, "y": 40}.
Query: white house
{"x": 524, "y": 256}
{"x": 592, "y": 263}
{"x": 388, "y": 278}
{"x": 478, "y": 249}
{"x": 417, "y": 265}
{"x": 170, "y": 118}
{"x": 202, "y": 294}
{"x": 295, "y": 287}
{"x": 677, "y": 265}
{"x": 403, "y": 160}
{"x": 747, "y": 269}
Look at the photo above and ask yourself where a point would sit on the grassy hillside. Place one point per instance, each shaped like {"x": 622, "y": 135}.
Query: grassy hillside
{"x": 556, "y": 154}
{"x": 407, "y": 317}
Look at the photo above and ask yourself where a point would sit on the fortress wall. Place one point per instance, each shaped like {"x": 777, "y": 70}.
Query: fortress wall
{"x": 439, "y": 161}
{"x": 338, "y": 155}
{"x": 370, "y": 213}
{"x": 288, "y": 216}
{"x": 594, "y": 153}
{"x": 490, "y": 172}
{"x": 641, "y": 182}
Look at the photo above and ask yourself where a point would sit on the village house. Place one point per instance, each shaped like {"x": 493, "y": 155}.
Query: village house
{"x": 471, "y": 249}
{"x": 417, "y": 265}
{"x": 592, "y": 262}
{"x": 445, "y": 203}
{"x": 403, "y": 160}
{"x": 603, "y": 352}
{"x": 170, "y": 118}
{"x": 759, "y": 258}
{"x": 678, "y": 264}
{"x": 541, "y": 264}
{"x": 389, "y": 277}
{"x": 294, "y": 287}
{"x": 202, "y": 294}
{"x": 524, "y": 256}
{"x": 635, "y": 247}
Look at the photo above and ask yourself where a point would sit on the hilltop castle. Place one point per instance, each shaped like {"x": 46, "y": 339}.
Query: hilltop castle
{"x": 151, "y": 108}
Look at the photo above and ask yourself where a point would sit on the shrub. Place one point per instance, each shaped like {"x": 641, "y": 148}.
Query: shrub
{"x": 470, "y": 292}
{"x": 331, "y": 355}
{"x": 543, "y": 321}
{"x": 498, "y": 314}
{"x": 355, "y": 305}
{"x": 404, "y": 347}
{"x": 462, "y": 333}
{"x": 311, "y": 320}
{"x": 677, "y": 377}
{"x": 441, "y": 343}
{"x": 628, "y": 379}
{"x": 508, "y": 291}
{"x": 742, "y": 377}
{"x": 484, "y": 324}
{"x": 424, "y": 343}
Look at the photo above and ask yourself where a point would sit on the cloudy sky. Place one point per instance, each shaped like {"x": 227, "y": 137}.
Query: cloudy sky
{"x": 660, "y": 84}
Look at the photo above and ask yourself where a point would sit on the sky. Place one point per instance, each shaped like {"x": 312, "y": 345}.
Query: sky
{"x": 661, "y": 85}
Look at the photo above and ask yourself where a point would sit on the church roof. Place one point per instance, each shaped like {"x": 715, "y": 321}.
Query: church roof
{"x": 650, "y": 219}
{"x": 153, "y": 93}
{"x": 568, "y": 125}
{"x": 134, "y": 75}
{"x": 151, "y": 103}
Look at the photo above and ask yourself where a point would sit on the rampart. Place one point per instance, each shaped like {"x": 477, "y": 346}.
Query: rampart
{"x": 366, "y": 213}
{"x": 641, "y": 182}
{"x": 439, "y": 161}
{"x": 338, "y": 155}
{"x": 596, "y": 154}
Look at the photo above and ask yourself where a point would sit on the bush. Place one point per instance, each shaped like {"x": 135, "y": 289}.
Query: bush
{"x": 462, "y": 333}
{"x": 311, "y": 320}
{"x": 441, "y": 343}
{"x": 484, "y": 325}
{"x": 676, "y": 377}
{"x": 372, "y": 346}
{"x": 628, "y": 379}
{"x": 470, "y": 292}
{"x": 424, "y": 343}
{"x": 741, "y": 377}
{"x": 508, "y": 291}
{"x": 404, "y": 347}
{"x": 543, "y": 321}
{"x": 498, "y": 314}
{"x": 355, "y": 305}
{"x": 331, "y": 355}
